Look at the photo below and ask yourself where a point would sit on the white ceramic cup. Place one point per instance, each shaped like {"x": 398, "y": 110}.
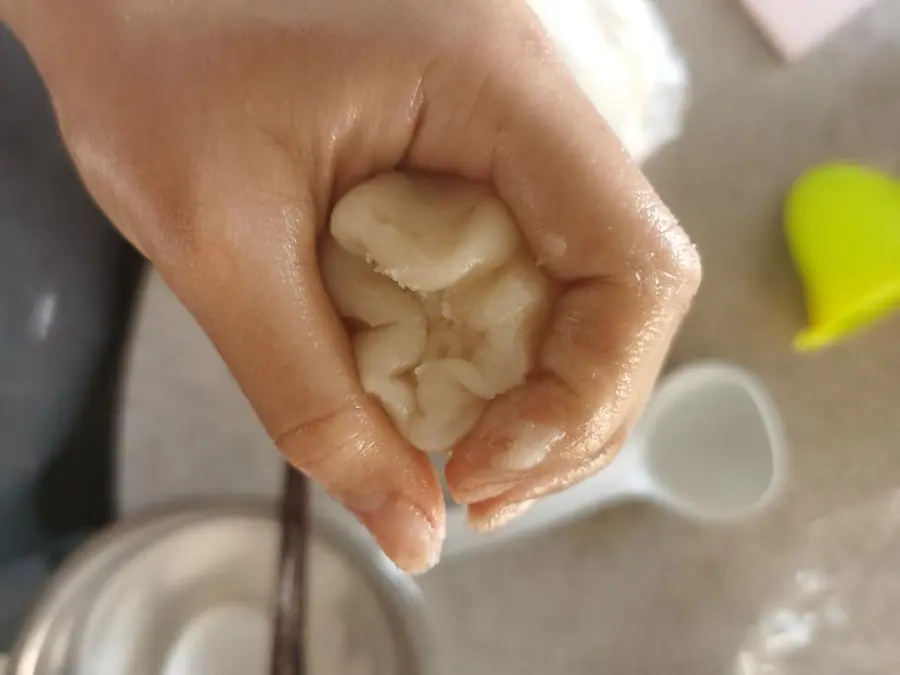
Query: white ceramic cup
{"x": 709, "y": 447}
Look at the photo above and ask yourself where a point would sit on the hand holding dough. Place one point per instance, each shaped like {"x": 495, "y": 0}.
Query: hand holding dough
{"x": 449, "y": 303}
{"x": 222, "y": 173}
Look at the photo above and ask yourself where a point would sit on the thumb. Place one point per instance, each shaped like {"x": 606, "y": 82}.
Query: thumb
{"x": 258, "y": 294}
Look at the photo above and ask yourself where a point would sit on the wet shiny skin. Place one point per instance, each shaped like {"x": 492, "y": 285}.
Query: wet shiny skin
{"x": 217, "y": 136}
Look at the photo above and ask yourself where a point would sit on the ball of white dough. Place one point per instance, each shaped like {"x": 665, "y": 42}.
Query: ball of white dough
{"x": 446, "y": 302}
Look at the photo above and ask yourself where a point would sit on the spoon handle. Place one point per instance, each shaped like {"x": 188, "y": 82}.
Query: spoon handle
{"x": 288, "y": 653}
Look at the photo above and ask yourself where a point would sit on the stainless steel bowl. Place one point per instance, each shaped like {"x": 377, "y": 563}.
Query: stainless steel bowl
{"x": 49, "y": 642}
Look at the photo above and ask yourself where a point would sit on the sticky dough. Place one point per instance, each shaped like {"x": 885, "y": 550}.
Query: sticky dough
{"x": 444, "y": 302}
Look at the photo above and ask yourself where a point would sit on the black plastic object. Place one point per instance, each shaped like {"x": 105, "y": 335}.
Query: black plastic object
{"x": 289, "y": 643}
{"x": 67, "y": 287}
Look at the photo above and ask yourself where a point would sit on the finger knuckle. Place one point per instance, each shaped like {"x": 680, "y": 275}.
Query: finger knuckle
{"x": 683, "y": 260}
{"x": 319, "y": 439}
{"x": 670, "y": 270}
{"x": 682, "y": 282}
{"x": 691, "y": 270}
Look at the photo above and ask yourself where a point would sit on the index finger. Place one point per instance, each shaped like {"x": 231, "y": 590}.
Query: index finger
{"x": 595, "y": 224}
{"x": 253, "y": 283}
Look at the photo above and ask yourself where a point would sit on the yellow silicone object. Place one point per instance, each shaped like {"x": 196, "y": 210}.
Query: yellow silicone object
{"x": 843, "y": 228}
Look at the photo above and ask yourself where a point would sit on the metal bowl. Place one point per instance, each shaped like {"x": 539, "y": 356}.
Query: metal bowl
{"x": 49, "y": 644}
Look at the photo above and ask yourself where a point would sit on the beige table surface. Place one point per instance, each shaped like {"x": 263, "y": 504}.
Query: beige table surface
{"x": 633, "y": 591}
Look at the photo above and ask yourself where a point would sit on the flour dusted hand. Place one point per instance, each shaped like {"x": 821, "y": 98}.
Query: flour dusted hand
{"x": 445, "y": 301}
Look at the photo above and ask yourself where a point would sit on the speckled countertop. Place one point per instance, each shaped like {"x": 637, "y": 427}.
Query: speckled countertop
{"x": 633, "y": 591}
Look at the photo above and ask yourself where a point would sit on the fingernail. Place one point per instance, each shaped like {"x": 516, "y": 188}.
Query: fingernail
{"x": 404, "y": 532}
{"x": 472, "y": 491}
{"x": 528, "y": 448}
{"x": 494, "y": 520}
{"x": 525, "y": 451}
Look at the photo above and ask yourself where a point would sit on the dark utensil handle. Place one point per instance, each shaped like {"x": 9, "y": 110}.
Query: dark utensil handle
{"x": 288, "y": 651}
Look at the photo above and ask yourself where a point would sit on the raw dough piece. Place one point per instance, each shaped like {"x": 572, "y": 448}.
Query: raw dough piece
{"x": 447, "y": 302}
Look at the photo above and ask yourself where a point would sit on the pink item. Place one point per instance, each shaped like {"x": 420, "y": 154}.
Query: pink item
{"x": 796, "y": 27}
